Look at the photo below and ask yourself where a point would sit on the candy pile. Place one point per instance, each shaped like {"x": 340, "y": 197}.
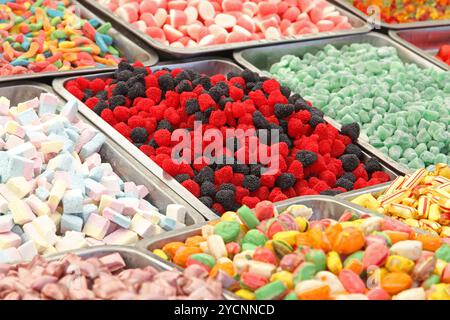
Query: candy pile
{"x": 405, "y": 11}
{"x": 444, "y": 53}
{"x": 271, "y": 256}
{"x": 403, "y": 109}
{"x": 204, "y": 23}
{"x": 421, "y": 200}
{"x": 313, "y": 156}
{"x": 44, "y": 36}
{"x": 104, "y": 278}
{"x": 55, "y": 192}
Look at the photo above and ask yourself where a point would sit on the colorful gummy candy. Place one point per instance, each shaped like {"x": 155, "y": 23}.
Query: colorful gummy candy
{"x": 444, "y": 53}
{"x": 404, "y": 110}
{"x": 261, "y": 254}
{"x": 421, "y": 200}
{"x": 313, "y": 157}
{"x": 404, "y": 11}
{"x": 204, "y": 23}
{"x": 57, "y": 194}
{"x": 105, "y": 277}
{"x": 47, "y": 35}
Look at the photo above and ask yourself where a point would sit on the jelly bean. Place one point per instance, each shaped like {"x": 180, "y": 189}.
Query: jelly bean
{"x": 334, "y": 263}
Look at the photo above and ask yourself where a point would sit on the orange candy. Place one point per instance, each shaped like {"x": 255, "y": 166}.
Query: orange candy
{"x": 226, "y": 267}
{"x": 171, "y": 248}
{"x": 194, "y": 241}
{"x": 355, "y": 265}
{"x": 333, "y": 231}
{"x": 396, "y": 282}
{"x": 429, "y": 242}
{"x": 318, "y": 239}
{"x": 181, "y": 256}
{"x": 397, "y": 236}
{"x": 303, "y": 239}
{"x": 320, "y": 293}
{"x": 349, "y": 240}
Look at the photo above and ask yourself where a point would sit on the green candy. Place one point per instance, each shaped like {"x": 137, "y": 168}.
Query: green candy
{"x": 204, "y": 259}
{"x": 291, "y": 296}
{"x": 248, "y": 246}
{"x": 255, "y": 237}
{"x": 248, "y": 217}
{"x": 317, "y": 257}
{"x": 228, "y": 230}
{"x": 358, "y": 255}
{"x": 270, "y": 291}
{"x": 433, "y": 279}
{"x": 443, "y": 253}
{"x": 104, "y": 28}
{"x": 306, "y": 271}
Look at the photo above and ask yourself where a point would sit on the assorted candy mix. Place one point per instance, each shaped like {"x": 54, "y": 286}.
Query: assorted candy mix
{"x": 262, "y": 254}
{"x": 56, "y": 194}
{"x": 421, "y": 200}
{"x": 403, "y": 110}
{"x": 102, "y": 278}
{"x": 146, "y": 107}
{"x": 48, "y": 35}
{"x": 194, "y": 23}
{"x": 404, "y": 11}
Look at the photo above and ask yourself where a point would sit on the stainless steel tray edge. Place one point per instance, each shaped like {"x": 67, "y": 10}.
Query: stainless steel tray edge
{"x": 394, "y": 26}
{"x": 394, "y": 34}
{"x": 349, "y": 196}
{"x": 148, "y": 56}
{"x": 363, "y": 27}
{"x": 371, "y": 37}
{"x": 58, "y": 85}
{"x": 126, "y": 166}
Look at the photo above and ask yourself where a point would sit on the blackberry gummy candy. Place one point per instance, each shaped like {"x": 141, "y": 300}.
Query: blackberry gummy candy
{"x": 309, "y": 148}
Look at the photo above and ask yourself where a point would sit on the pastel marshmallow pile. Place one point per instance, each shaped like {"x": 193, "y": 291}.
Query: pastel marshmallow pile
{"x": 55, "y": 192}
{"x": 193, "y": 23}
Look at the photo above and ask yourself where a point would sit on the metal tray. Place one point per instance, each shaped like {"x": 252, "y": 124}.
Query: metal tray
{"x": 208, "y": 67}
{"x": 128, "y": 46}
{"x": 394, "y": 26}
{"x": 322, "y": 206}
{"x": 261, "y": 59}
{"x": 374, "y": 190}
{"x": 425, "y": 42}
{"x": 123, "y": 165}
{"x": 359, "y": 27}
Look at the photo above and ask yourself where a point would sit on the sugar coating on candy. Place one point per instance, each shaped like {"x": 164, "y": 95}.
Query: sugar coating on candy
{"x": 406, "y": 11}
{"x": 55, "y": 189}
{"x": 106, "y": 277}
{"x": 420, "y": 199}
{"x": 187, "y": 24}
{"x": 285, "y": 256}
{"x": 401, "y": 108}
{"x": 49, "y": 36}
{"x": 312, "y": 155}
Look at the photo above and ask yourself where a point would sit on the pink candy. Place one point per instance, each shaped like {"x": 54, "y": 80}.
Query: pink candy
{"x": 190, "y": 23}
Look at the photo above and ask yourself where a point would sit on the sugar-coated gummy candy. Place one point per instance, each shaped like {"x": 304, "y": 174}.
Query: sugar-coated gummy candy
{"x": 402, "y": 109}
{"x": 49, "y": 36}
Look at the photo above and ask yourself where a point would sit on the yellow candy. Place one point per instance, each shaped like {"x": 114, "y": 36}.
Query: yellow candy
{"x": 435, "y": 213}
{"x": 445, "y": 232}
{"x": 334, "y": 262}
{"x": 442, "y": 169}
{"x": 440, "y": 265}
{"x": 286, "y": 236}
{"x": 374, "y": 277}
{"x": 367, "y": 201}
{"x": 440, "y": 291}
{"x": 285, "y": 276}
{"x": 245, "y": 294}
{"x": 229, "y": 216}
{"x": 67, "y": 44}
{"x": 161, "y": 254}
{"x": 412, "y": 222}
{"x": 302, "y": 224}
{"x": 396, "y": 263}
